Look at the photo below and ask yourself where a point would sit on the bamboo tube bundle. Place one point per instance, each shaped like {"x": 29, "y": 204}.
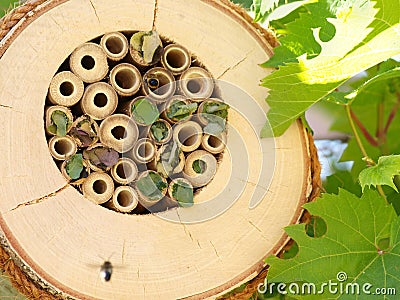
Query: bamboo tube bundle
{"x": 88, "y": 40}
{"x": 66, "y": 89}
{"x": 115, "y": 45}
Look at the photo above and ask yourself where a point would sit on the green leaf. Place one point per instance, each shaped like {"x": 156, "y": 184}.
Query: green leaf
{"x": 199, "y": 166}
{"x": 145, "y": 112}
{"x": 284, "y": 10}
{"x": 342, "y": 180}
{"x": 244, "y": 3}
{"x": 261, "y": 7}
{"x": 148, "y": 44}
{"x": 183, "y": 193}
{"x": 159, "y": 130}
{"x": 169, "y": 159}
{"x": 74, "y": 166}
{"x": 61, "y": 121}
{"x": 179, "y": 110}
{"x": 101, "y": 157}
{"x": 382, "y": 173}
{"x": 296, "y": 86}
{"x": 355, "y": 230}
{"x": 151, "y": 186}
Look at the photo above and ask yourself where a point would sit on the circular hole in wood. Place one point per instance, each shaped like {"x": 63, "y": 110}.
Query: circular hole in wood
{"x": 88, "y": 62}
{"x": 66, "y": 88}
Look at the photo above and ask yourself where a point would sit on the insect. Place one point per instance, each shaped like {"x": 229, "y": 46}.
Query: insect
{"x": 153, "y": 82}
{"x": 106, "y": 270}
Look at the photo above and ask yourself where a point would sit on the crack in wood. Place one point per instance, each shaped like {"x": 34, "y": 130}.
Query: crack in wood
{"x": 215, "y": 250}
{"x": 95, "y": 11}
{"x": 235, "y": 65}
{"x": 41, "y": 199}
{"x": 6, "y": 106}
{"x": 155, "y": 14}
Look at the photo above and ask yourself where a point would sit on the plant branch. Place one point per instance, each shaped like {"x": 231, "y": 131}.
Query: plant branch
{"x": 392, "y": 114}
{"x": 362, "y": 128}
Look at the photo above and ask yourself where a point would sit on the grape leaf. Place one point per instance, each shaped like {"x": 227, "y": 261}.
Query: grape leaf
{"x": 261, "y": 7}
{"x": 74, "y": 166}
{"x": 382, "y": 173}
{"x": 299, "y": 85}
{"x": 353, "y": 243}
{"x": 244, "y": 3}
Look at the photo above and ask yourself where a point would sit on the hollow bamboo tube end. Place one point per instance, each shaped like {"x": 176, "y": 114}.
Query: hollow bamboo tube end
{"x": 66, "y": 89}
{"x": 99, "y": 100}
{"x": 159, "y": 84}
{"x": 124, "y": 199}
{"x": 188, "y": 135}
{"x": 115, "y": 45}
{"x": 62, "y": 147}
{"x": 49, "y": 112}
{"x": 118, "y": 132}
{"x": 98, "y": 187}
{"x": 176, "y": 59}
{"x": 89, "y": 62}
{"x": 214, "y": 143}
{"x": 196, "y": 83}
{"x": 124, "y": 171}
{"x": 200, "y": 168}
{"x": 125, "y": 79}
{"x": 144, "y": 151}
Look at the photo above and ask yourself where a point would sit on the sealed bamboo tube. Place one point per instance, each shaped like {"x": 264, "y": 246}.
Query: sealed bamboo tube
{"x": 163, "y": 163}
{"x": 118, "y": 132}
{"x": 200, "y": 168}
{"x": 85, "y": 131}
{"x": 188, "y": 135}
{"x": 96, "y": 165}
{"x": 196, "y": 83}
{"x": 155, "y": 190}
{"x": 66, "y": 89}
{"x": 214, "y": 143}
{"x": 124, "y": 171}
{"x": 125, "y": 79}
{"x": 159, "y": 84}
{"x": 89, "y": 62}
{"x": 124, "y": 199}
{"x": 160, "y": 132}
{"x": 144, "y": 151}
{"x": 62, "y": 147}
{"x": 49, "y": 122}
{"x": 201, "y": 114}
{"x": 115, "y": 45}
{"x": 182, "y": 182}
{"x": 142, "y": 110}
{"x": 63, "y": 169}
{"x": 139, "y": 48}
{"x": 98, "y": 187}
{"x": 99, "y": 100}
{"x": 176, "y": 59}
{"x": 167, "y": 109}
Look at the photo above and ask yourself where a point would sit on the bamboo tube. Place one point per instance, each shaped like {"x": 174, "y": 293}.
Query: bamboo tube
{"x": 159, "y": 84}
{"x": 157, "y": 190}
{"x": 85, "y": 131}
{"x": 115, "y": 45}
{"x": 137, "y": 107}
{"x": 141, "y": 48}
{"x": 165, "y": 162}
{"x": 89, "y": 62}
{"x": 214, "y": 143}
{"x": 99, "y": 100}
{"x": 124, "y": 171}
{"x": 66, "y": 89}
{"x": 62, "y": 147}
{"x": 118, "y": 132}
{"x": 196, "y": 83}
{"x": 92, "y": 165}
{"x": 176, "y": 59}
{"x": 200, "y": 168}
{"x": 201, "y": 114}
{"x": 183, "y": 183}
{"x": 125, "y": 79}
{"x": 64, "y": 170}
{"x": 98, "y": 187}
{"x": 49, "y": 122}
{"x": 124, "y": 199}
{"x": 188, "y": 135}
{"x": 165, "y": 132}
{"x": 176, "y": 99}
{"x": 144, "y": 151}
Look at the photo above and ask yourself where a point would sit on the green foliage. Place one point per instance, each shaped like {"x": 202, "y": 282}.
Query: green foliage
{"x": 183, "y": 193}
{"x": 215, "y": 113}
{"x": 145, "y": 112}
{"x": 102, "y": 157}
{"x": 381, "y": 174}
{"x": 60, "y": 123}
{"x": 147, "y": 44}
{"x": 308, "y": 74}
{"x": 151, "y": 186}
{"x": 180, "y": 110}
{"x": 159, "y": 130}
{"x": 199, "y": 166}
{"x": 169, "y": 159}
{"x": 356, "y": 228}
{"x": 74, "y": 166}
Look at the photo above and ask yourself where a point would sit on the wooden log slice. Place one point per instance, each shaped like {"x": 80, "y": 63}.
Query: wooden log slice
{"x": 61, "y": 239}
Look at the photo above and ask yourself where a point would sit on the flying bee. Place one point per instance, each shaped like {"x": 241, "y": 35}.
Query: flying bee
{"x": 152, "y": 82}
{"x": 106, "y": 270}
